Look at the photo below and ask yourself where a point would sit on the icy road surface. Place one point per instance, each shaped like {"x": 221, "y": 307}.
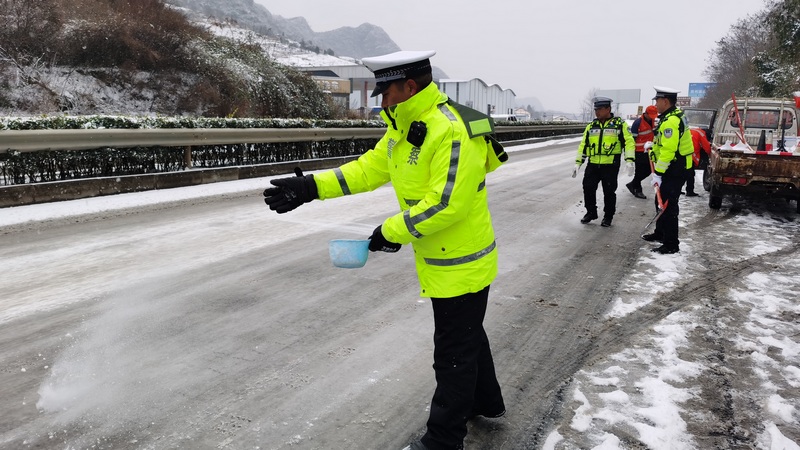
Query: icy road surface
{"x": 175, "y": 319}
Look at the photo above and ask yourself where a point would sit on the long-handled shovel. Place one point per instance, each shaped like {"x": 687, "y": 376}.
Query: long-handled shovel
{"x": 662, "y": 206}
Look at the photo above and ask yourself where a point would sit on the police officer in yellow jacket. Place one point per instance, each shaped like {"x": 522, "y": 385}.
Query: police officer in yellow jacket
{"x": 603, "y": 142}
{"x": 436, "y": 159}
{"x": 672, "y": 156}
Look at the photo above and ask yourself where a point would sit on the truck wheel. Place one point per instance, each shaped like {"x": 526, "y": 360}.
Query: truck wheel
{"x": 714, "y": 199}
{"x": 707, "y": 179}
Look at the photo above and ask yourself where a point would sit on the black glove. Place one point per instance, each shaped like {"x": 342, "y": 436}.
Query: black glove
{"x": 290, "y": 192}
{"x": 378, "y": 243}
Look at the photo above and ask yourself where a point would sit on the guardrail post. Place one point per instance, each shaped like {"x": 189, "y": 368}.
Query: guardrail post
{"x": 187, "y": 157}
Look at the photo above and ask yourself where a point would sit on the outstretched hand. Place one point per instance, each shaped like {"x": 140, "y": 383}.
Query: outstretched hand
{"x": 290, "y": 192}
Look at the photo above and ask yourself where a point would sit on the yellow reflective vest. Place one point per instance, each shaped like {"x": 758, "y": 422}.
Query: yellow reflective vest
{"x": 604, "y": 140}
{"x": 673, "y": 141}
{"x": 440, "y": 188}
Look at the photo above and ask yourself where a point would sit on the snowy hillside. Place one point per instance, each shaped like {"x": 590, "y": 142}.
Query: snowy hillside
{"x": 364, "y": 40}
{"x": 216, "y": 77}
{"x": 284, "y": 51}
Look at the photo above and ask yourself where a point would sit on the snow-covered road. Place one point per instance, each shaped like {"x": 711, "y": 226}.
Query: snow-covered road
{"x": 193, "y": 318}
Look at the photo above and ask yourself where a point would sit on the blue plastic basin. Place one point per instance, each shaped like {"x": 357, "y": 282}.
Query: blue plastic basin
{"x": 349, "y": 253}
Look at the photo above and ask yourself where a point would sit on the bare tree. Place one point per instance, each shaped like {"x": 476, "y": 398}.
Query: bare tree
{"x": 28, "y": 28}
{"x": 731, "y": 64}
{"x": 587, "y": 106}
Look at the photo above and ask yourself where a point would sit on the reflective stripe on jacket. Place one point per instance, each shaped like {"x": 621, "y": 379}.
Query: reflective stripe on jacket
{"x": 673, "y": 141}
{"x": 642, "y": 131}
{"x": 602, "y": 141}
{"x": 441, "y": 190}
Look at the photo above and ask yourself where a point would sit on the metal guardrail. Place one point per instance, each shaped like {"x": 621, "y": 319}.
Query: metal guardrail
{"x": 42, "y": 140}
{"x": 39, "y": 140}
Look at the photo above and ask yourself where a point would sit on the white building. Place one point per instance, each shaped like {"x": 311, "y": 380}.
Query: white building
{"x": 476, "y": 94}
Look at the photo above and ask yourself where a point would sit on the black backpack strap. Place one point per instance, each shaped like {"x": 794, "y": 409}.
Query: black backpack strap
{"x": 621, "y": 134}
{"x": 586, "y": 139}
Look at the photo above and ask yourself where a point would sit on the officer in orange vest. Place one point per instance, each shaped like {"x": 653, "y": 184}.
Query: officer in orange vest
{"x": 642, "y": 131}
{"x": 702, "y": 150}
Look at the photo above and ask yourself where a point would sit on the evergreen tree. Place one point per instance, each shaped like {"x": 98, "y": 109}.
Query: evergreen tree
{"x": 783, "y": 69}
{"x": 783, "y": 22}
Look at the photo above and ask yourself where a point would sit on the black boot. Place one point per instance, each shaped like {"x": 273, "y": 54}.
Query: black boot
{"x": 652, "y": 237}
{"x": 589, "y": 216}
{"x": 606, "y": 221}
{"x": 639, "y": 194}
{"x": 691, "y": 193}
{"x": 631, "y": 188}
{"x": 667, "y": 249}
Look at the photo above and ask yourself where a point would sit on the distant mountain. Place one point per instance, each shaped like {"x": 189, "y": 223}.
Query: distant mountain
{"x": 532, "y": 101}
{"x": 364, "y": 40}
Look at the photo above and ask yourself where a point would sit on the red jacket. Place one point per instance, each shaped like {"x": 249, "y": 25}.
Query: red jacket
{"x": 700, "y": 142}
{"x": 642, "y": 131}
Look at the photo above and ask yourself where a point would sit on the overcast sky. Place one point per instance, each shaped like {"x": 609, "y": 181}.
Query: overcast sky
{"x": 557, "y": 51}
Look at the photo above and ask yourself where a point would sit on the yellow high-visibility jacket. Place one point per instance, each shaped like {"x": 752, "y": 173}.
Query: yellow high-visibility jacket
{"x": 441, "y": 189}
{"x": 673, "y": 141}
{"x": 602, "y": 141}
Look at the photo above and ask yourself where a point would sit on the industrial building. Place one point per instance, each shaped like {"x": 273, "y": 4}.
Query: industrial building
{"x": 475, "y": 93}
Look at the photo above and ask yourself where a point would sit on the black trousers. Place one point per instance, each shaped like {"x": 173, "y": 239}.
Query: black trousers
{"x": 642, "y": 164}
{"x": 690, "y": 180}
{"x": 671, "y": 185}
{"x": 465, "y": 378}
{"x": 605, "y": 174}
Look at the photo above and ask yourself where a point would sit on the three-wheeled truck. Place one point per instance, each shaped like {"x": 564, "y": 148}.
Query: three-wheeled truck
{"x": 754, "y": 149}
